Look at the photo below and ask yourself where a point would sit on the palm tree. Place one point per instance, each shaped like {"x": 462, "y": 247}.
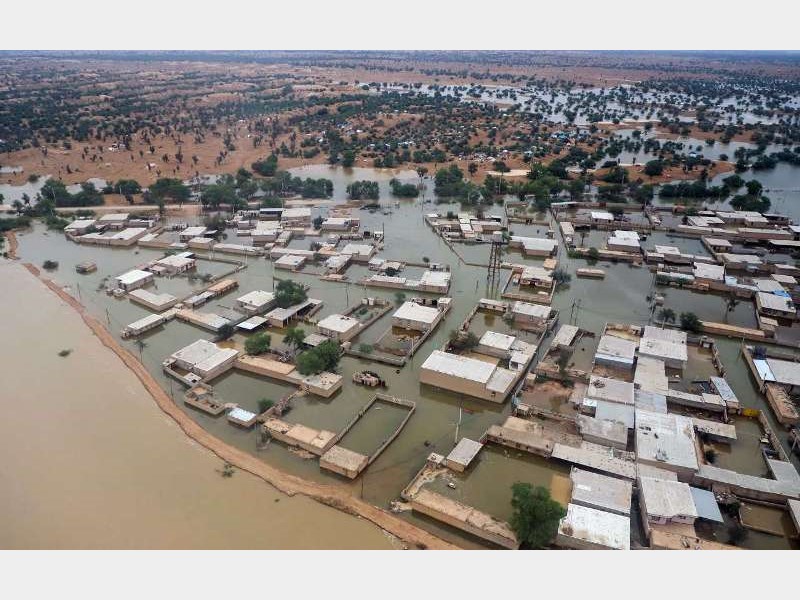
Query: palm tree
{"x": 294, "y": 338}
{"x": 667, "y": 315}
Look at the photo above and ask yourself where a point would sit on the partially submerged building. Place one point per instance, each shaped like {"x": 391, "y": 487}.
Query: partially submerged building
{"x": 463, "y": 454}
{"x": 256, "y": 302}
{"x": 613, "y": 351}
{"x": 466, "y": 375}
{"x": 134, "y": 279}
{"x": 415, "y": 316}
{"x": 339, "y": 327}
{"x": 153, "y": 301}
{"x": 203, "y": 359}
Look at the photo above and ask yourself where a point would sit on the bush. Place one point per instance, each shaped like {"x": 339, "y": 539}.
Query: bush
{"x": 690, "y": 322}
{"x": 536, "y": 515}
{"x": 50, "y": 265}
{"x": 266, "y": 167}
{"x": 324, "y": 357}
{"x": 363, "y": 190}
{"x": 257, "y": 344}
{"x": 265, "y": 404}
{"x": 288, "y": 293}
{"x": 463, "y": 342}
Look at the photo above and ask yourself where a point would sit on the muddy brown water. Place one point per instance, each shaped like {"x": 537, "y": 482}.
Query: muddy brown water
{"x": 90, "y": 461}
{"x": 439, "y": 419}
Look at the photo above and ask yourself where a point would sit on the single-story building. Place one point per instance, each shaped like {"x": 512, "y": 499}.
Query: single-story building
{"x": 134, "y": 279}
{"x": 256, "y": 302}
{"x": 339, "y": 327}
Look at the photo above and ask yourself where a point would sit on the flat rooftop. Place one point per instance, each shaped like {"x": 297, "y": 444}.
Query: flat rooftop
{"x": 134, "y": 276}
{"x": 596, "y": 457}
{"x": 463, "y": 367}
{"x": 256, "y": 298}
{"x": 667, "y": 499}
{"x": 586, "y": 526}
{"x": 539, "y": 311}
{"x": 338, "y": 323}
{"x": 464, "y": 452}
{"x": 601, "y": 491}
{"x": 565, "y": 336}
{"x": 666, "y": 438}
{"x": 612, "y": 390}
{"x": 498, "y": 341}
{"x": 616, "y": 348}
{"x": 411, "y": 311}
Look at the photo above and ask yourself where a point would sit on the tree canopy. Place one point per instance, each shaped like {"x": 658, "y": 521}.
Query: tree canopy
{"x": 536, "y": 515}
{"x": 288, "y": 293}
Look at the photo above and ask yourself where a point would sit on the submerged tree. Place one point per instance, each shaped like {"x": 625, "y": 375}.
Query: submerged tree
{"x": 690, "y": 322}
{"x": 536, "y": 515}
{"x": 666, "y": 315}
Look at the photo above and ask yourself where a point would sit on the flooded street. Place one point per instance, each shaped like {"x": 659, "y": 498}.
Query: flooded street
{"x": 90, "y": 461}
{"x": 441, "y": 417}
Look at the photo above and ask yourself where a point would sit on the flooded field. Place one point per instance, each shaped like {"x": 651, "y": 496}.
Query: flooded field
{"x": 97, "y": 465}
{"x": 440, "y": 416}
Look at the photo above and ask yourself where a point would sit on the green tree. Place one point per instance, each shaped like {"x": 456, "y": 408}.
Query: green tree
{"x": 288, "y": 293}
{"x": 310, "y": 363}
{"x": 127, "y": 187}
{"x": 294, "y": 337}
{"x": 536, "y": 515}
{"x": 690, "y": 322}
{"x": 257, "y": 344}
{"x": 666, "y": 315}
{"x": 348, "y": 158}
{"x": 168, "y": 188}
{"x": 266, "y": 167}
{"x": 654, "y": 168}
{"x": 215, "y": 195}
{"x": 330, "y": 353}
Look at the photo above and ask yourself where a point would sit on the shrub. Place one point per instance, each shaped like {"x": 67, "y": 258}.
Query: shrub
{"x": 257, "y": 344}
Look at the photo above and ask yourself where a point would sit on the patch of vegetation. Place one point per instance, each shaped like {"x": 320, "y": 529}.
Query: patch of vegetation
{"x": 363, "y": 190}
{"x": 403, "y": 190}
{"x": 324, "y": 357}
{"x": 536, "y": 515}
{"x": 288, "y": 293}
{"x": 690, "y": 322}
{"x": 460, "y": 341}
{"x": 257, "y": 343}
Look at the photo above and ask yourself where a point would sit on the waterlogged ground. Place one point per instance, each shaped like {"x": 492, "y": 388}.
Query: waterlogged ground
{"x": 92, "y": 463}
{"x": 621, "y": 296}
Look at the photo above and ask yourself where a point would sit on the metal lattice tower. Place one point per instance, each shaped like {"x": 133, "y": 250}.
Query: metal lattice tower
{"x": 495, "y": 258}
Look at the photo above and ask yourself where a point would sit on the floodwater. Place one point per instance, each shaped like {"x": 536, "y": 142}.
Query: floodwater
{"x": 90, "y": 461}
{"x": 441, "y": 417}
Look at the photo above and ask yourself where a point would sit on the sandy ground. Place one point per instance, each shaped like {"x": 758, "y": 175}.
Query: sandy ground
{"x": 636, "y": 172}
{"x": 86, "y": 469}
{"x": 289, "y": 484}
{"x": 13, "y": 244}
